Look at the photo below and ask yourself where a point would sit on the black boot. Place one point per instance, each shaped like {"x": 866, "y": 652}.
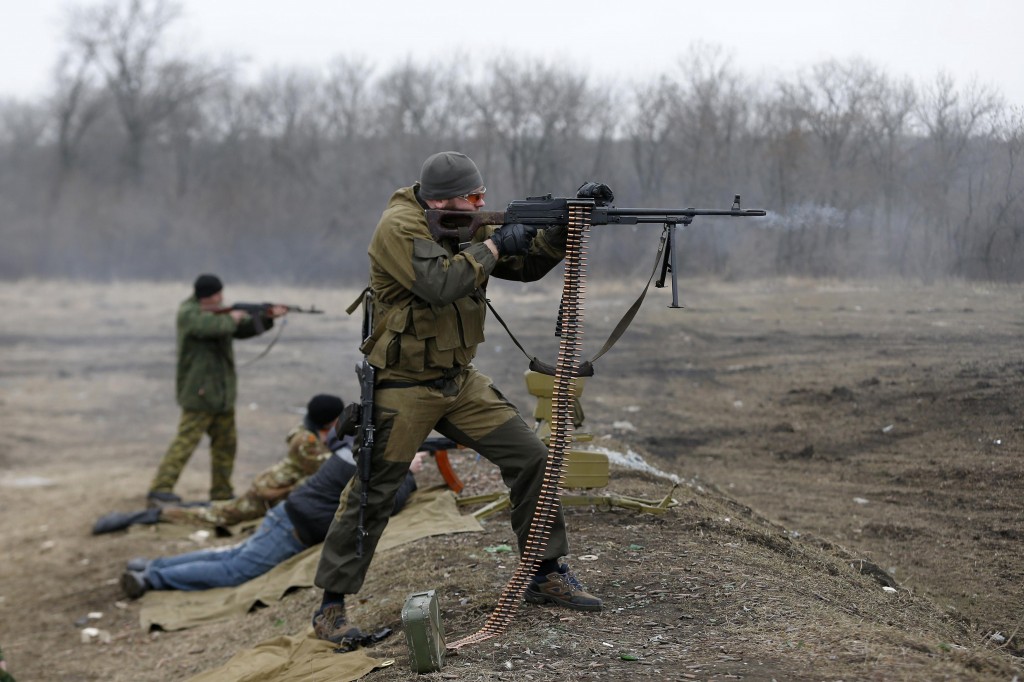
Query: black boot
{"x": 134, "y": 584}
{"x": 108, "y": 523}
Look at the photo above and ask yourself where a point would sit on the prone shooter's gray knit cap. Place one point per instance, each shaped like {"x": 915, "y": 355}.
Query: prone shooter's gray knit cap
{"x": 449, "y": 174}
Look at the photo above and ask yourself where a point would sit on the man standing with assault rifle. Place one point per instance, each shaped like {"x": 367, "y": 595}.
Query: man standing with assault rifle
{"x": 425, "y": 316}
{"x": 207, "y": 386}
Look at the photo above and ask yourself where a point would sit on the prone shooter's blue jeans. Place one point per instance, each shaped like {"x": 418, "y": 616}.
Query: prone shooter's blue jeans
{"x": 273, "y": 542}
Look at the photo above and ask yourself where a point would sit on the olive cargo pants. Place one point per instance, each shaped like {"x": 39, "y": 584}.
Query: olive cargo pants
{"x": 223, "y": 444}
{"x": 468, "y": 410}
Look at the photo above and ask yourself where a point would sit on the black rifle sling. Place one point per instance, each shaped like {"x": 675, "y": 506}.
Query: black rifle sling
{"x": 273, "y": 341}
{"x": 586, "y": 368}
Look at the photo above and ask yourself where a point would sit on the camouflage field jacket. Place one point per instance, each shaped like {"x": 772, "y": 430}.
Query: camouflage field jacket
{"x": 206, "y": 379}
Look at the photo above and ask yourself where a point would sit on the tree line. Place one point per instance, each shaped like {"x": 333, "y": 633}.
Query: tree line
{"x": 144, "y": 161}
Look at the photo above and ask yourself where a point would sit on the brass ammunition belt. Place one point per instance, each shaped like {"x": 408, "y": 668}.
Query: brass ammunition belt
{"x": 560, "y": 440}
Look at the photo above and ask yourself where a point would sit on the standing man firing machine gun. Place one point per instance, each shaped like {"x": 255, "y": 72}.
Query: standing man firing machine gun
{"x": 428, "y": 304}
{"x": 431, "y": 257}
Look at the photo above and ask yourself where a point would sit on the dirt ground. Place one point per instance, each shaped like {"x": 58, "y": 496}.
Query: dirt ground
{"x": 832, "y": 439}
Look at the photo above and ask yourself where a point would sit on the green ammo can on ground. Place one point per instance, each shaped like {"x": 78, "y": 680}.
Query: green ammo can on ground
{"x": 421, "y": 618}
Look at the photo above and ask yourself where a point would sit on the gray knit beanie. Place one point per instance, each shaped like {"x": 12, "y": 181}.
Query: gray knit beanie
{"x": 449, "y": 174}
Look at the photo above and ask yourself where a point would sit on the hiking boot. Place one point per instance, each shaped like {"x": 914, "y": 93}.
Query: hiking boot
{"x": 139, "y": 563}
{"x": 330, "y": 624}
{"x": 561, "y": 588}
{"x": 221, "y": 495}
{"x": 134, "y": 584}
{"x": 161, "y": 499}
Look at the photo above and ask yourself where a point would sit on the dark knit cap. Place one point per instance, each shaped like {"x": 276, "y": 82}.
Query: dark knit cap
{"x": 449, "y": 174}
{"x": 323, "y": 409}
{"x": 207, "y": 285}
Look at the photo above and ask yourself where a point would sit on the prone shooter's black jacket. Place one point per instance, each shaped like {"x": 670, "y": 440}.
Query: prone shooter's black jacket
{"x": 312, "y": 505}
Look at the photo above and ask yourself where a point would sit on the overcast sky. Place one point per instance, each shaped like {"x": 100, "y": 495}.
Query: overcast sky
{"x": 917, "y": 38}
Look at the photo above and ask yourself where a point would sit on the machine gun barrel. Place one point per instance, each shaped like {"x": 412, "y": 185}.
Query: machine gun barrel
{"x": 631, "y": 216}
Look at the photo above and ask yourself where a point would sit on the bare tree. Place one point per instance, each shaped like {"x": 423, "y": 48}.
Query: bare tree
{"x": 295, "y": 168}
{"x": 785, "y": 138}
{"x": 23, "y": 128}
{"x": 648, "y": 130}
{"x": 77, "y": 103}
{"x": 291, "y": 120}
{"x": 832, "y": 97}
{"x": 710, "y": 115}
{"x": 22, "y": 132}
{"x": 1004, "y": 242}
{"x": 951, "y": 117}
{"x": 418, "y": 109}
{"x": 127, "y": 40}
{"x": 536, "y": 114}
{"x": 888, "y": 111}
{"x": 346, "y": 97}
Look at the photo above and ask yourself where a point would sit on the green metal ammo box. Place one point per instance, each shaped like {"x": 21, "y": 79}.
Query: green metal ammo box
{"x": 421, "y": 618}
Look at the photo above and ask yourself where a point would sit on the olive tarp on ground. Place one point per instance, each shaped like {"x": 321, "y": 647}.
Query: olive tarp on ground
{"x": 293, "y": 659}
{"x": 429, "y": 512}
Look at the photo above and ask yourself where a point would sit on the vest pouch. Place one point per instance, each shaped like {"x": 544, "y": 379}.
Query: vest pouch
{"x": 472, "y": 311}
{"x": 412, "y": 353}
{"x": 386, "y": 351}
{"x": 440, "y": 358}
{"x": 438, "y": 323}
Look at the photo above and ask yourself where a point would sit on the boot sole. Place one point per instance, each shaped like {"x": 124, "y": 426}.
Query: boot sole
{"x": 538, "y": 598}
{"x": 131, "y": 587}
{"x": 350, "y": 637}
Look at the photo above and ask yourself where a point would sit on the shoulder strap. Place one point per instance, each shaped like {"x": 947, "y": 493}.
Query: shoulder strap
{"x": 586, "y": 368}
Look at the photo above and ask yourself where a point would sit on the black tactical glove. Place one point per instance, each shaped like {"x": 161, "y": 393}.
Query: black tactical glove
{"x": 601, "y": 194}
{"x": 514, "y": 239}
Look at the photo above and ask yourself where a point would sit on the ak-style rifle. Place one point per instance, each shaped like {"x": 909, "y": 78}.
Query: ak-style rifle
{"x": 259, "y": 312}
{"x": 367, "y": 375}
{"x": 255, "y": 309}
